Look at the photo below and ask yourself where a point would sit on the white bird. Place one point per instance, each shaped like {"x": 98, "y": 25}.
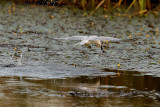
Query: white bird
{"x": 90, "y": 40}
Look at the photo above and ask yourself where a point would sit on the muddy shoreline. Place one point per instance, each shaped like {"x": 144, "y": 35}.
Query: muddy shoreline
{"x": 30, "y": 28}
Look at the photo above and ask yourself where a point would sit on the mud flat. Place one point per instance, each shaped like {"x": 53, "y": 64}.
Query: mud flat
{"x": 27, "y": 39}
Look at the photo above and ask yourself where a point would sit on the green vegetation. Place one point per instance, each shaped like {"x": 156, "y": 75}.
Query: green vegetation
{"x": 141, "y": 6}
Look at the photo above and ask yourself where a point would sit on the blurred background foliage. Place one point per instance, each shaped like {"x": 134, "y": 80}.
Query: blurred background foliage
{"x": 108, "y": 5}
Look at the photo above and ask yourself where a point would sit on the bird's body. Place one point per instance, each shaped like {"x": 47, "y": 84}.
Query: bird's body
{"x": 93, "y": 42}
{"x": 90, "y": 40}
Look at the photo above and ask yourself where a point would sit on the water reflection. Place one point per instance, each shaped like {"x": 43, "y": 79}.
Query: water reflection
{"x": 128, "y": 88}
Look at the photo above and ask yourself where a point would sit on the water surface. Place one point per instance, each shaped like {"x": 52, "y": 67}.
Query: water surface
{"x": 123, "y": 89}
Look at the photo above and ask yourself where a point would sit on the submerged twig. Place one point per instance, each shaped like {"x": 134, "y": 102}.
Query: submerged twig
{"x": 130, "y": 6}
{"x": 118, "y": 4}
{"x": 100, "y": 4}
{"x": 140, "y": 12}
{"x": 29, "y": 46}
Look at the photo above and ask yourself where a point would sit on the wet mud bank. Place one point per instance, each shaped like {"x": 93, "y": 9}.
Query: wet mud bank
{"x": 27, "y": 35}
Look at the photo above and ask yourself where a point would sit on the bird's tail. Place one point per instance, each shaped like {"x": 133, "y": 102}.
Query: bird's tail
{"x": 116, "y": 40}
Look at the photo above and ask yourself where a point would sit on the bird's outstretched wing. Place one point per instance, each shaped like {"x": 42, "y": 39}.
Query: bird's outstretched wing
{"x": 73, "y": 38}
{"x": 77, "y": 38}
{"x": 102, "y": 38}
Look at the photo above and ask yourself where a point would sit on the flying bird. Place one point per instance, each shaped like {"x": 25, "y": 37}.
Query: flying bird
{"x": 99, "y": 40}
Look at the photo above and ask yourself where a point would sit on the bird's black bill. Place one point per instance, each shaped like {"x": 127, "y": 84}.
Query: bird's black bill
{"x": 102, "y": 49}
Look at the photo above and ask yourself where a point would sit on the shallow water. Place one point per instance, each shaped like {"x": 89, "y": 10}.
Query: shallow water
{"x": 123, "y": 89}
{"x": 37, "y": 70}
